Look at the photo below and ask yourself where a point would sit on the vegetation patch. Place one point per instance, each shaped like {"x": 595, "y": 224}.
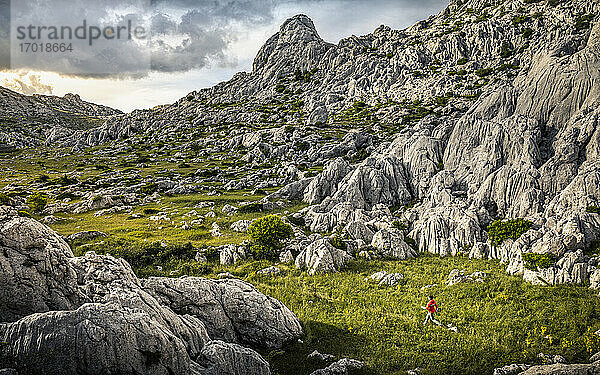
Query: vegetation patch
{"x": 501, "y": 230}
{"x": 37, "y": 201}
{"x": 4, "y": 199}
{"x": 592, "y": 209}
{"x": 583, "y": 22}
{"x": 268, "y": 235}
{"x": 502, "y": 321}
{"x": 534, "y": 261}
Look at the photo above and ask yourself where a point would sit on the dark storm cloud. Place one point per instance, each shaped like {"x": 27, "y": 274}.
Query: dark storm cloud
{"x": 193, "y": 34}
{"x": 203, "y": 33}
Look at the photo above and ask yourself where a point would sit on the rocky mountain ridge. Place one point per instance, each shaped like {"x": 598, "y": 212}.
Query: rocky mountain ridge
{"x": 486, "y": 111}
{"x": 25, "y": 120}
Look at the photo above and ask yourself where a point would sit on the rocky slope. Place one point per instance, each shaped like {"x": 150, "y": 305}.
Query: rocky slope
{"x": 494, "y": 110}
{"x": 483, "y": 112}
{"x": 26, "y": 120}
{"x": 400, "y": 142}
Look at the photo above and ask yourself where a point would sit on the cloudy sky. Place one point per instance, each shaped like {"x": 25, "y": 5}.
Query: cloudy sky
{"x": 190, "y": 44}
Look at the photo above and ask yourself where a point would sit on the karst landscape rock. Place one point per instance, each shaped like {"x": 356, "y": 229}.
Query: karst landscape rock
{"x": 473, "y": 134}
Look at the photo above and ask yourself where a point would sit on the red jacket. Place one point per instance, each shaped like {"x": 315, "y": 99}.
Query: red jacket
{"x": 431, "y": 306}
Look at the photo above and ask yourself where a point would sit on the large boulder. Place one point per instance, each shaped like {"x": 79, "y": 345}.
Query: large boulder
{"x": 321, "y": 256}
{"x": 326, "y": 183}
{"x": 232, "y": 310}
{"x": 220, "y": 358}
{"x": 36, "y": 274}
{"x": 390, "y": 244}
{"x": 93, "y": 339}
{"x": 105, "y": 279}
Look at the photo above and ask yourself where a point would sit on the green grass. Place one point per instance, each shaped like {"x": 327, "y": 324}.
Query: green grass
{"x": 501, "y": 321}
{"x": 122, "y": 226}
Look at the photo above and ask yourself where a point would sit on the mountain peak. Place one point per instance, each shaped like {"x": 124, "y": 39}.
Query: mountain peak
{"x": 296, "y": 38}
{"x": 299, "y": 28}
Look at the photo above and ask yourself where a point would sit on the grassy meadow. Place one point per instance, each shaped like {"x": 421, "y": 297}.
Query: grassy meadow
{"x": 501, "y": 321}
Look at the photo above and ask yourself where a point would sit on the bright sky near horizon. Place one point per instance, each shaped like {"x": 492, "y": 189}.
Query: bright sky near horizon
{"x": 210, "y": 40}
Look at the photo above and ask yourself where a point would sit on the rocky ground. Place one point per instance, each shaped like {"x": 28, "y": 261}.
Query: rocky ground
{"x": 474, "y": 133}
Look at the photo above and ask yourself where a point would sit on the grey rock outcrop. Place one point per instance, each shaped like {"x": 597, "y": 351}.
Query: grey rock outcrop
{"x": 231, "y": 309}
{"x": 341, "y": 367}
{"x": 221, "y": 358}
{"x": 384, "y": 278}
{"x": 326, "y": 183}
{"x": 95, "y": 338}
{"x": 390, "y": 244}
{"x": 66, "y": 315}
{"x": 36, "y": 273}
{"x": 562, "y": 369}
{"x": 321, "y": 256}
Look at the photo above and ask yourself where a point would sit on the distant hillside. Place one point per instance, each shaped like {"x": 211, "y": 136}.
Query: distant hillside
{"x": 25, "y": 120}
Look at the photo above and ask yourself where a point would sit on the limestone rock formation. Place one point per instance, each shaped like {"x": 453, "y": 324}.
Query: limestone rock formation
{"x": 321, "y": 256}
{"x": 390, "y": 244}
{"x": 231, "y": 309}
{"x": 341, "y": 367}
{"x": 36, "y": 273}
{"x": 95, "y": 339}
{"x": 66, "y": 315}
{"x": 221, "y": 358}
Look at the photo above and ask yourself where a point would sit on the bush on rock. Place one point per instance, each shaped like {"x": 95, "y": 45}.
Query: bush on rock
{"x": 501, "y": 230}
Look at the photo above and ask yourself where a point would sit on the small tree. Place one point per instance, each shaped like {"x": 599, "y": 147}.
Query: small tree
{"x": 4, "y": 199}
{"x": 196, "y": 148}
{"x": 268, "y": 235}
{"x": 37, "y": 201}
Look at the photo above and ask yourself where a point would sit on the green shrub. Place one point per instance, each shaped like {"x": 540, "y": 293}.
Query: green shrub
{"x": 527, "y": 33}
{"x": 149, "y": 189}
{"x": 150, "y": 211}
{"x": 534, "y": 261}
{"x": 268, "y": 235}
{"x": 37, "y": 201}
{"x": 593, "y": 209}
{"x": 399, "y": 224}
{"x": 518, "y": 20}
{"x": 251, "y": 208}
{"x": 338, "y": 242}
{"x": 462, "y": 61}
{"x": 501, "y": 230}
{"x": 484, "y": 72}
{"x": 4, "y": 199}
